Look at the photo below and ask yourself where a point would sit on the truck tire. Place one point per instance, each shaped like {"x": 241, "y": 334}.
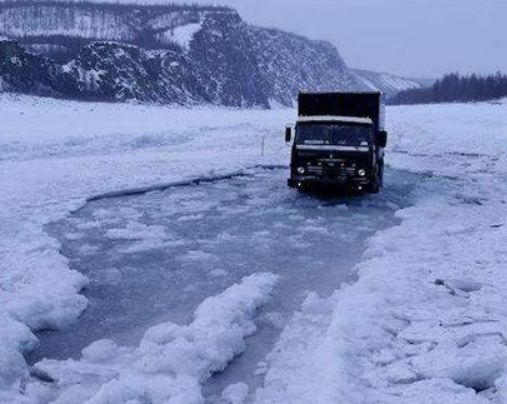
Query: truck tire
{"x": 381, "y": 173}
{"x": 376, "y": 182}
{"x": 374, "y": 186}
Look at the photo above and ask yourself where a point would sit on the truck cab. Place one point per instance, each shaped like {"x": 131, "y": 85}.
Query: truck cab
{"x": 338, "y": 142}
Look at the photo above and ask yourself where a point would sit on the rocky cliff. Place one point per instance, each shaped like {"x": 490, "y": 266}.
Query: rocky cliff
{"x": 171, "y": 54}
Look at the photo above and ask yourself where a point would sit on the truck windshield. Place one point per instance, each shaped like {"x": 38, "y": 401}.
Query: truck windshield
{"x": 321, "y": 134}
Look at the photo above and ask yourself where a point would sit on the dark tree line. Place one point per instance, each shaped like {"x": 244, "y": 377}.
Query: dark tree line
{"x": 129, "y": 21}
{"x": 456, "y": 88}
{"x": 113, "y": 6}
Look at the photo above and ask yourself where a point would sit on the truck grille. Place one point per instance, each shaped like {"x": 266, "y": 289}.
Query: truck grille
{"x": 330, "y": 171}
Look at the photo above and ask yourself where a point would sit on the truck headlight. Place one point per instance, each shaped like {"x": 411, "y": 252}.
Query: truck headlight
{"x": 301, "y": 170}
{"x": 361, "y": 172}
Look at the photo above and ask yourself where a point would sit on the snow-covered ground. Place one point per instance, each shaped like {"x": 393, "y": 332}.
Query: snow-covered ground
{"x": 56, "y": 154}
{"x": 425, "y": 322}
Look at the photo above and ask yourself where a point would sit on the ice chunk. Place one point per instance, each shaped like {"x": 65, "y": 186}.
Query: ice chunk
{"x": 137, "y": 231}
{"x": 171, "y": 361}
{"x": 100, "y": 351}
{"x": 235, "y": 394}
{"x": 476, "y": 365}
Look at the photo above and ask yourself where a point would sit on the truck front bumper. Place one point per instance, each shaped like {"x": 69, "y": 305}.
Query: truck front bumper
{"x": 297, "y": 181}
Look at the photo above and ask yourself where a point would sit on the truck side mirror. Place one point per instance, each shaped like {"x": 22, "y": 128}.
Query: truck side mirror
{"x": 288, "y": 134}
{"x": 382, "y": 138}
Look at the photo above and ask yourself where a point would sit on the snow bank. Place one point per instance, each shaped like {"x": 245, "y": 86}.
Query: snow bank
{"x": 171, "y": 361}
{"x": 55, "y": 154}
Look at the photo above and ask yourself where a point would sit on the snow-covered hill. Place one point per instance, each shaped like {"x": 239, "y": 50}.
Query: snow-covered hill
{"x": 387, "y": 83}
{"x": 165, "y": 54}
{"x": 59, "y": 28}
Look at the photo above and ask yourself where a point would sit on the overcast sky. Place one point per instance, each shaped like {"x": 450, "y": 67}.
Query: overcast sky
{"x": 418, "y": 38}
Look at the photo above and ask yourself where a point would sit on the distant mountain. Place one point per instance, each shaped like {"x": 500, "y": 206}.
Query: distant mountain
{"x": 174, "y": 54}
{"x": 390, "y": 84}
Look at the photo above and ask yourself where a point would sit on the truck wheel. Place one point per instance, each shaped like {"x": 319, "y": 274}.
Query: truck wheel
{"x": 376, "y": 182}
{"x": 305, "y": 188}
{"x": 373, "y": 187}
{"x": 381, "y": 173}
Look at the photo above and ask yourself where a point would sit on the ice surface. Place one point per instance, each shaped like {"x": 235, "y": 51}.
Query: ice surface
{"x": 434, "y": 284}
{"x": 240, "y": 227}
{"x": 171, "y": 361}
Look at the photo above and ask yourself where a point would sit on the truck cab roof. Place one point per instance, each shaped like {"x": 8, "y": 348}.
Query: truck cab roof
{"x": 343, "y": 104}
{"x": 335, "y": 119}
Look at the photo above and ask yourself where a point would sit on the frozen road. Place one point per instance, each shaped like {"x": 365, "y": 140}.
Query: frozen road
{"x": 155, "y": 257}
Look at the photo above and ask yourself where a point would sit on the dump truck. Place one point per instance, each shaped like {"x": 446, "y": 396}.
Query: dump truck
{"x": 338, "y": 142}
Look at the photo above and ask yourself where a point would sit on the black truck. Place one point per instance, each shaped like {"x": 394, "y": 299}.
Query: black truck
{"x": 339, "y": 141}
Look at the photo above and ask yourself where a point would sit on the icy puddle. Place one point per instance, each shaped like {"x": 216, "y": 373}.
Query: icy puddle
{"x": 155, "y": 257}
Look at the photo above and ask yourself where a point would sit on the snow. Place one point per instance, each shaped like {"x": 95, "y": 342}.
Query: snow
{"x": 171, "y": 361}
{"x": 424, "y": 322}
{"x": 183, "y": 34}
{"x": 384, "y": 82}
{"x": 235, "y": 394}
{"x": 332, "y": 118}
{"x": 333, "y": 148}
{"x": 56, "y": 154}
{"x": 244, "y": 220}
{"x": 79, "y": 23}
